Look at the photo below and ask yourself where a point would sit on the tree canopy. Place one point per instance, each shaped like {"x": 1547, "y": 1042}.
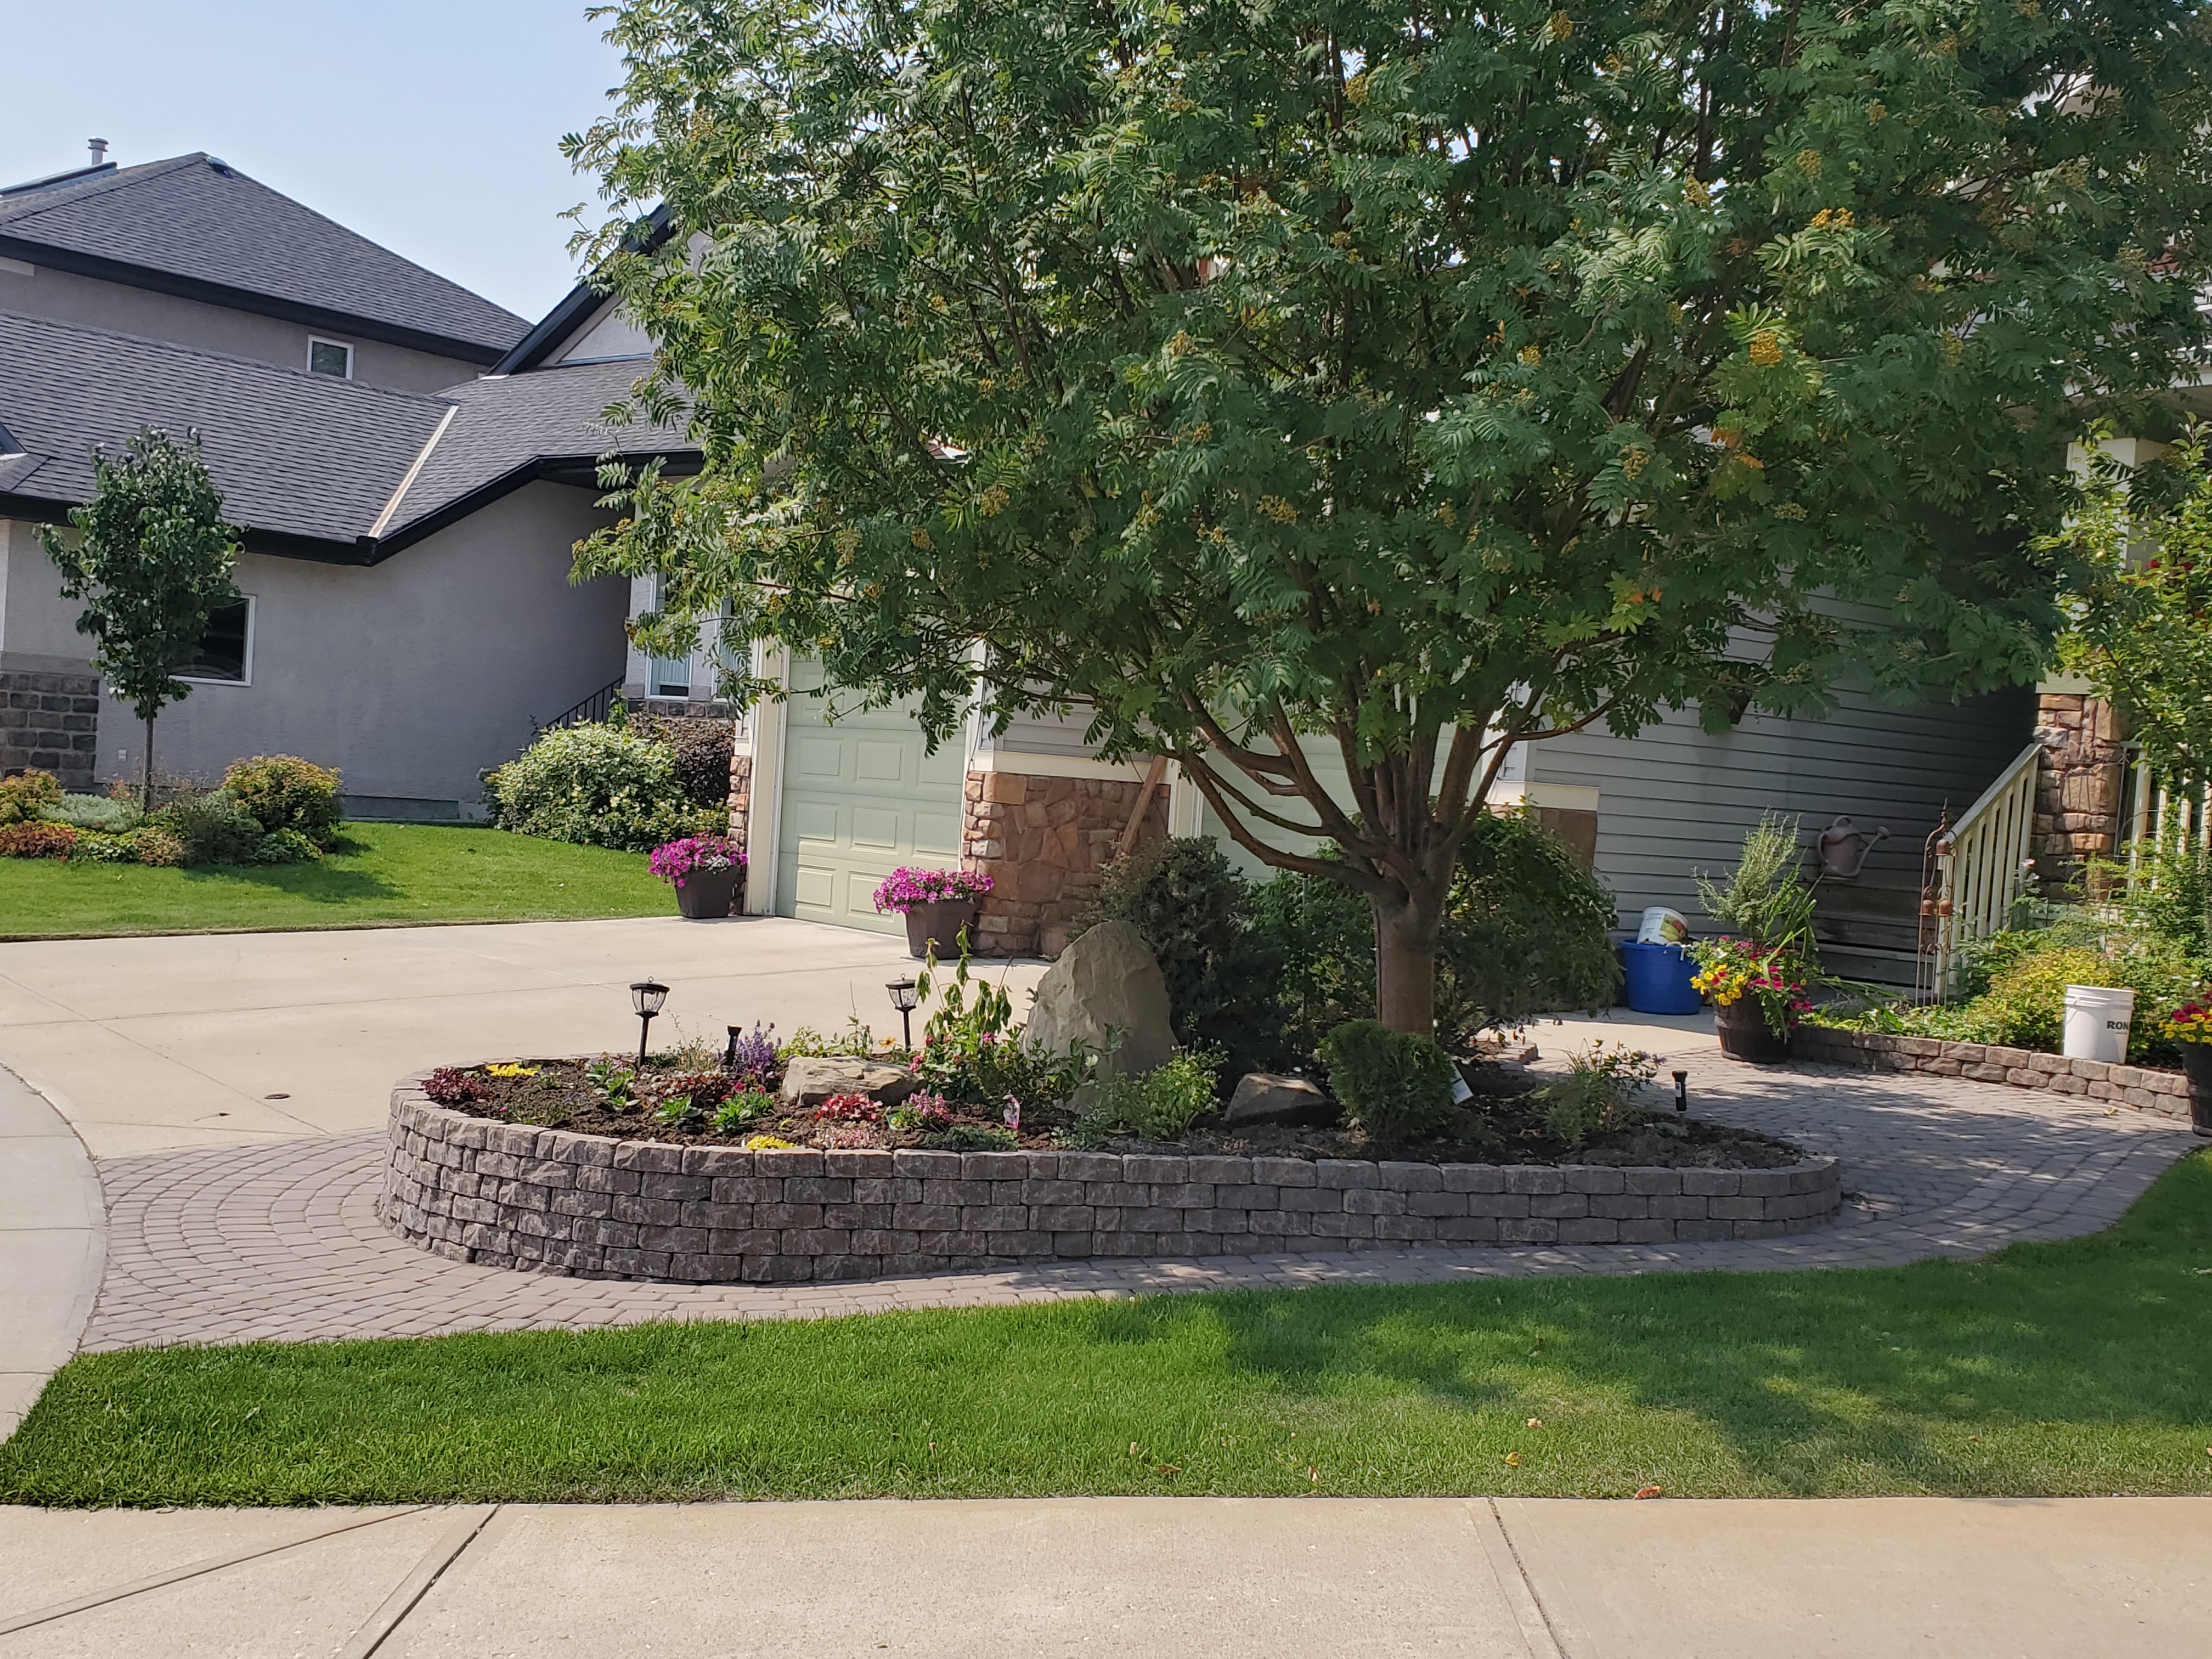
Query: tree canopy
{"x": 1394, "y": 380}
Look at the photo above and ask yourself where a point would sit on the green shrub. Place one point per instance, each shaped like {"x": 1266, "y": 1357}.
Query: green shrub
{"x": 1600, "y": 1094}
{"x": 27, "y": 795}
{"x": 156, "y": 847}
{"x": 1321, "y": 936}
{"x": 286, "y": 846}
{"x": 1194, "y": 909}
{"x": 1765, "y": 897}
{"x": 598, "y": 785}
{"x": 213, "y": 828}
{"x": 2025, "y": 1006}
{"x": 1395, "y": 1086}
{"x": 1526, "y": 930}
{"x": 285, "y": 793}
{"x": 102, "y": 813}
{"x": 1160, "y": 1105}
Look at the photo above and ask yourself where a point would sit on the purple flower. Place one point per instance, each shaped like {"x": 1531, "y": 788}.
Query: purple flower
{"x": 673, "y": 861}
{"x": 909, "y": 885}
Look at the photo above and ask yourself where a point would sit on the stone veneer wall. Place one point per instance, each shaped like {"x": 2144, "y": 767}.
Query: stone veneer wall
{"x": 548, "y": 1200}
{"x": 741, "y": 797}
{"x": 51, "y": 720}
{"x": 1043, "y": 841}
{"x": 2078, "y": 787}
{"x": 2142, "y": 1086}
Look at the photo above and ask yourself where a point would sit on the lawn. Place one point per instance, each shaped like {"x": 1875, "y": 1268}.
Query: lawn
{"x": 387, "y": 874}
{"x": 2084, "y": 1367}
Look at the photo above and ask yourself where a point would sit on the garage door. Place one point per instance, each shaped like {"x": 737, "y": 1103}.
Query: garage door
{"x": 860, "y": 798}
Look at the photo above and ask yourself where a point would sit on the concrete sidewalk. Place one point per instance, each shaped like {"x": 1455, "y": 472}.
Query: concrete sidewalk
{"x": 1153, "y": 1579}
{"x": 51, "y": 1246}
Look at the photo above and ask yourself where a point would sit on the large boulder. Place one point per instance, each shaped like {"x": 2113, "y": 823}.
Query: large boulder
{"x": 811, "y": 1080}
{"x": 1105, "y": 986}
{"x": 1265, "y": 1098}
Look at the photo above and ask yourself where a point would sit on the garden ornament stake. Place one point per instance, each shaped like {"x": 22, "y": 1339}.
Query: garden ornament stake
{"x": 906, "y": 996}
{"x": 646, "y": 996}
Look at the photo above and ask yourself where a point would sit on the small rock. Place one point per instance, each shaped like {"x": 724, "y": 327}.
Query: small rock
{"x": 1496, "y": 1078}
{"x": 810, "y": 1081}
{"x": 1105, "y": 985}
{"x": 1266, "y": 1098}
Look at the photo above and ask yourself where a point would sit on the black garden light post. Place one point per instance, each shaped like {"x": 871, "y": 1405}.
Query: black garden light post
{"x": 646, "y": 996}
{"x": 1681, "y": 1091}
{"x": 906, "y": 996}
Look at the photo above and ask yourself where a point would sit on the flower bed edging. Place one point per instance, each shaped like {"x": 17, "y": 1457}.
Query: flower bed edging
{"x": 550, "y": 1201}
{"x": 2146, "y": 1088}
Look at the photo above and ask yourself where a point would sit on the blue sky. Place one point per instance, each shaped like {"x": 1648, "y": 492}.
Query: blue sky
{"x": 431, "y": 128}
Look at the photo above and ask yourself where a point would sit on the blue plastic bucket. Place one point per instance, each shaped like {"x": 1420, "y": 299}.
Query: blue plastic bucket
{"x": 1657, "y": 978}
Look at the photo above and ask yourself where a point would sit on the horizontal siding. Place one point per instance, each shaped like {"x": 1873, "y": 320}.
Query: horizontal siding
{"x": 1045, "y": 734}
{"x": 1674, "y": 800}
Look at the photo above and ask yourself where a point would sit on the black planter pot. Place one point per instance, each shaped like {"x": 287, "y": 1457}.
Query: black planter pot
{"x": 940, "y": 924}
{"x": 708, "y": 894}
{"x": 2196, "y": 1064}
{"x": 1745, "y": 1034}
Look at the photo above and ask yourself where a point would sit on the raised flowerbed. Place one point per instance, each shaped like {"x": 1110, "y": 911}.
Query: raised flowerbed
{"x": 555, "y": 1200}
{"x": 2146, "y": 1088}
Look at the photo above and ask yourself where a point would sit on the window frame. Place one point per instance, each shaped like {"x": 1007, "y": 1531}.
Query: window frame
{"x": 314, "y": 340}
{"x": 246, "y": 656}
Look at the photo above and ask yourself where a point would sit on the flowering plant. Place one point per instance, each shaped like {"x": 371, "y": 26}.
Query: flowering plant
{"x": 451, "y": 1086}
{"x": 909, "y": 885}
{"x": 2190, "y": 1023}
{"x": 1731, "y": 969}
{"x": 751, "y": 1057}
{"x": 848, "y": 1109}
{"x": 674, "y": 861}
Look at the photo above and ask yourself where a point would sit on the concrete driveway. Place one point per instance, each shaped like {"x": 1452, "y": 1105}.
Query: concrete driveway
{"x": 147, "y": 1044}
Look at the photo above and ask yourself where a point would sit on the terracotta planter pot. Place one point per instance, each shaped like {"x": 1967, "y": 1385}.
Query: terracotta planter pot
{"x": 708, "y": 894}
{"x": 941, "y": 925}
{"x": 1746, "y": 1036}
{"x": 2197, "y": 1063}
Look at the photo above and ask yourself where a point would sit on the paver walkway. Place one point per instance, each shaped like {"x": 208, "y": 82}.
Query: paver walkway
{"x": 281, "y": 1241}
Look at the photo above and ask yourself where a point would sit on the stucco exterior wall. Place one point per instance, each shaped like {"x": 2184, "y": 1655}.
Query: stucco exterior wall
{"x": 409, "y": 676}
{"x": 65, "y": 297}
{"x": 38, "y": 626}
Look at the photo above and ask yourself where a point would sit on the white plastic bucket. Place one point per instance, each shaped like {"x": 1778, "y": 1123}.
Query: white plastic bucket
{"x": 1660, "y": 926}
{"x": 2097, "y": 1020}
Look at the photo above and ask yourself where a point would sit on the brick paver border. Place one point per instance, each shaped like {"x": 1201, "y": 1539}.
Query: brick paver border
{"x": 552, "y": 1201}
{"x": 2146, "y": 1088}
{"x": 281, "y": 1241}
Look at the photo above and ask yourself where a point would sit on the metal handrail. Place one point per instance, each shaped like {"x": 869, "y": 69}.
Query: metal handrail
{"x": 593, "y": 709}
{"x": 1982, "y": 864}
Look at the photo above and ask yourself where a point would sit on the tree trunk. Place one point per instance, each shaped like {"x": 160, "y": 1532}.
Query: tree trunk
{"x": 1405, "y": 966}
{"x": 146, "y": 781}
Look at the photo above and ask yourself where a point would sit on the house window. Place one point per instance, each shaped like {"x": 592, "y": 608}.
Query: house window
{"x": 671, "y": 677}
{"x": 225, "y": 653}
{"x": 329, "y": 357}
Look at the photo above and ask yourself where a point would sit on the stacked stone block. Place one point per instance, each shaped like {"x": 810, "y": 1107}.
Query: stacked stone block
{"x": 1042, "y": 841}
{"x": 2077, "y": 788}
{"x": 50, "y": 721}
{"x": 551, "y": 1201}
{"x": 741, "y": 796}
{"x": 2144, "y": 1087}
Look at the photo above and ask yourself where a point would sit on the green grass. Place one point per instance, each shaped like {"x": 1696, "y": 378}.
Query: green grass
{"x": 2075, "y": 1368}
{"x": 388, "y": 874}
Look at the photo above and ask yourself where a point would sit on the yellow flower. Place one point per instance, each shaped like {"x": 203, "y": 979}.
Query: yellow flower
{"x": 510, "y": 1071}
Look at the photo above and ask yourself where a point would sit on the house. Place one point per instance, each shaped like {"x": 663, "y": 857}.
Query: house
{"x": 409, "y": 466}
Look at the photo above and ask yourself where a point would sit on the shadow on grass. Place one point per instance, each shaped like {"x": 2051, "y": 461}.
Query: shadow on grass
{"x": 319, "y": 883}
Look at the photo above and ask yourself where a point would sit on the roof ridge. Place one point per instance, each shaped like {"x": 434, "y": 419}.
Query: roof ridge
{"x": 430, "y": 399}
{"x": 84, "y": 189}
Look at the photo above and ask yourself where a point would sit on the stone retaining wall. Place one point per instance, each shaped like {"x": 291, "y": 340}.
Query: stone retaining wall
{"x": 2151, "y": 1091}
{"x": 548, "y": 1200}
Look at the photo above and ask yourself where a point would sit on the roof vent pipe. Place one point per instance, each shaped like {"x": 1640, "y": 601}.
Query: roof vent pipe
{"x": 99, "y": 148}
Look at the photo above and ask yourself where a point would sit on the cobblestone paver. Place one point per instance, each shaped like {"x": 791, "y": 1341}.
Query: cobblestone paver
{"x": 281, "y": 1241}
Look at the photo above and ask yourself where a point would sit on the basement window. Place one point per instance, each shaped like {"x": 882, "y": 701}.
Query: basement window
{"x": 329, "y": 357}
{"x": 225, "y": 653}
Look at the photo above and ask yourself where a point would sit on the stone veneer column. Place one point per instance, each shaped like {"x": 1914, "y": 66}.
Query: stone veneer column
{"x": 2078, "y": 787}
{"x": 50, "y": 721}
{"x": 741, "y": 796}
{"x": 1044, "y": 840}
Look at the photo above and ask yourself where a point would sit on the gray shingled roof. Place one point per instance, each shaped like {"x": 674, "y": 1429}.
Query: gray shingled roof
{"x": 195, "y": 219}
{"x": 296, "y": 454}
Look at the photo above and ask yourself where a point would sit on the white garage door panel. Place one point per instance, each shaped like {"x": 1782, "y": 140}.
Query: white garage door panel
{"x": 860, "y": 798}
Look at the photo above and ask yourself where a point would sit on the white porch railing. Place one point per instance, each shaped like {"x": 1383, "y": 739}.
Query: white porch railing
{"x": 2163, "y": 818}
{"x": 1981, "y": 864}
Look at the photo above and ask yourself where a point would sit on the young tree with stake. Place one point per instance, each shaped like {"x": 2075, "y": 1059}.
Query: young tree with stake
{"x": 152, "y": 559}
{"x": 1391, "y": 381}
